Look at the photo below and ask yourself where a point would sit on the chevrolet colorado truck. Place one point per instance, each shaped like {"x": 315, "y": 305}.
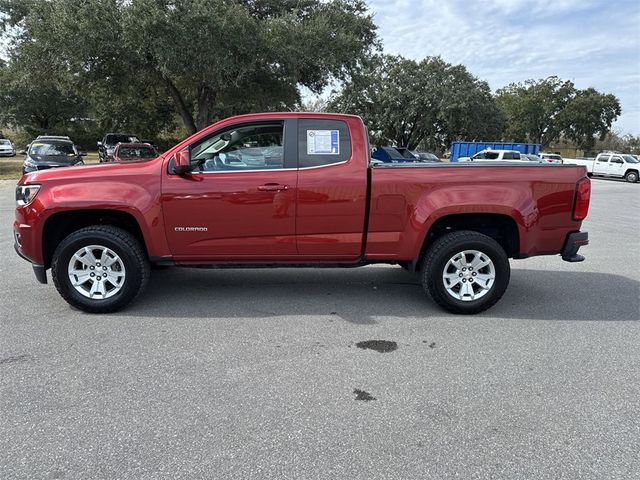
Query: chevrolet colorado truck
{"x": 294, "y": 189}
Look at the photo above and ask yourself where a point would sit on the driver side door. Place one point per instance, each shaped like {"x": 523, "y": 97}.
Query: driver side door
{"x": 239, "y": 202}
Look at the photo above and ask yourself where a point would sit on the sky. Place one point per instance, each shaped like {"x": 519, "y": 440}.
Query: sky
{"x": 592, "y": 43}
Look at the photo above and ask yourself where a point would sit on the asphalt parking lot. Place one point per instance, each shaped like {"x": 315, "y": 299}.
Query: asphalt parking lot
{"x": 257, "y": 373}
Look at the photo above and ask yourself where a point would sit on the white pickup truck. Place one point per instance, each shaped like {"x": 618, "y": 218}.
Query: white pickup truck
{"x": 506, "y": 156}
{"x": 615, "y": 165}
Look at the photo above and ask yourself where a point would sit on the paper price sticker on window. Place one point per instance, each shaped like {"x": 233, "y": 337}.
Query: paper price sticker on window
{"x": 323, "y": 142}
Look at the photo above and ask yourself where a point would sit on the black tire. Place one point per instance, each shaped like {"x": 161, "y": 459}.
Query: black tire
{"x": 631, "y": 177}
{"x": 125, "y": 245}
{"x": 444, "y": 249}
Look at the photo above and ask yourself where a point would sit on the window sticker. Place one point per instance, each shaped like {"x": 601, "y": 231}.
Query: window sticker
{"x": 323, "y": 142}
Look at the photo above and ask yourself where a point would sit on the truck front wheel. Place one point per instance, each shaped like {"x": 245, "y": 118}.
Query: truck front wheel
{"x": 631, "y": 177}
{"x": 100, "y": 269}
{"x": 465, "y": 272}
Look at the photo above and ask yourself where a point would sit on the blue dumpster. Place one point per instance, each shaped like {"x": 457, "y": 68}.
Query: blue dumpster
{"x": 466, "y": 149}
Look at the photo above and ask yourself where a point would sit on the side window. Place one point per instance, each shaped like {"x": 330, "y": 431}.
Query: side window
{"x": 322, "y": 142}
{"x": 491, "y": 155}
{"x": 243, "y": 147}
{"x": 509, "y": 156}
{"x": 616, "y": 160}
{"x": 603, "y": 158}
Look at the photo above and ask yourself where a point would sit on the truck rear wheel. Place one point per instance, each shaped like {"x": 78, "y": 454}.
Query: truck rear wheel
{"x": 465, "y": 272}
{"x": 100, "y": 269}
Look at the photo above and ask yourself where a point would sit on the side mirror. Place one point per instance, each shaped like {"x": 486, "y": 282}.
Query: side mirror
{"x": 99, "y": 144}
{"x": 22, "y": 152}
{"x": 182, "y": 163}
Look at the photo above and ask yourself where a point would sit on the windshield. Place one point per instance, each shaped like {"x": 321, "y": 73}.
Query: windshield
{"x": 393, "y": 153}
{"x": 45, "y": 148}
{"x": 486, "y": 155}
{"x": 115, "y": 139}
{"x": 137, "y": 152}
{"x": 630, "y": 158}
{"x": 427, "y": 156}
{"x": 5, "y": 142}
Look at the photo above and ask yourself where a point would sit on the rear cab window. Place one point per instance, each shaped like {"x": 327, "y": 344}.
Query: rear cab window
{"x": 323, "y": 142}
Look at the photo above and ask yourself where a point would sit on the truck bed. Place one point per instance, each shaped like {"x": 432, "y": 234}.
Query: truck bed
{"x": 407, "y": 199}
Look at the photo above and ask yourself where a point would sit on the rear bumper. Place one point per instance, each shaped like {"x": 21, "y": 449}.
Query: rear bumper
{"x": 572, "y": 245}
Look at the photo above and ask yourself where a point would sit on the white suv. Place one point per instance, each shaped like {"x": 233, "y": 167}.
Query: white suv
{"x": 6, "y": 148}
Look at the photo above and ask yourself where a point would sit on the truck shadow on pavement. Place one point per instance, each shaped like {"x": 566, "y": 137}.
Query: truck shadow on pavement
{"x": 360, "y": 295}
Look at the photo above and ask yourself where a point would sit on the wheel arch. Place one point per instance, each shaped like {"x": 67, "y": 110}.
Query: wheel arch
{"x": 501, "y": 227}
{"x": 632, "y": 170}
{"x": 61, "y": 224}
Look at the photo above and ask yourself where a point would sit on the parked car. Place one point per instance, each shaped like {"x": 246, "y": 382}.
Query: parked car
{"x": 128, "y": 152}
{"x": 553, "y": 158}
{"x": 98, "y": 228}
{"x": 108, "y": 144}
{"x": 6, "y": 148}
{"x": 615, "y": 165}
{"x": 426, "y": 156}
{"x": 390, "y": 155}
{"x": 44, "y": 154}
{"x": 531, "y": 157}
{"x": 493, "y": 155}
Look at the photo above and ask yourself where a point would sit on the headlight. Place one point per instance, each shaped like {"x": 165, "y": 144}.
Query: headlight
{"x": 110, "y": 151}
{"x": 25, "y": 194}
{"x": 29, "y": 163}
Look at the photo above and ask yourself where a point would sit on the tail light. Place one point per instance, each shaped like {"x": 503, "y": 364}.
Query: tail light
{"x": 581, "y": 202}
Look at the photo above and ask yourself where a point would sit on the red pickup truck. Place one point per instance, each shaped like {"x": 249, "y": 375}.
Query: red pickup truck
{"x": 294, "y": 189}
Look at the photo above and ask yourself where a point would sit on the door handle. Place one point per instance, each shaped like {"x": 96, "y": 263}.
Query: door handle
{"x": 273, "y": 187}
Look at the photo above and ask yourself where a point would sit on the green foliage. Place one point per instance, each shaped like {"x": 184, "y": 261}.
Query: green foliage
{"x": 542, "y": 111}
{"x": 589, "y": 114}
{"x": 203, "y": 59}
{"x": 429, "y": 103}
{"x": 37, "y": 98}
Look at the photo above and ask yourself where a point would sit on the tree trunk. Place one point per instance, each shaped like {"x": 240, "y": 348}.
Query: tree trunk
{"x": 206, "y": 98}
{"x": 181, "y": 106}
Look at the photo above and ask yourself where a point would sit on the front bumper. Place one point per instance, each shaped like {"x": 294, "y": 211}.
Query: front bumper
{"x": 38, "y": 270}
{"x": 573, "y": 243}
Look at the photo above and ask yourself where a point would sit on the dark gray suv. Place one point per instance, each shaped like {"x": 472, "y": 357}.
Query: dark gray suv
{"x": 44, "y": 153}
